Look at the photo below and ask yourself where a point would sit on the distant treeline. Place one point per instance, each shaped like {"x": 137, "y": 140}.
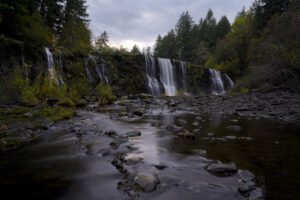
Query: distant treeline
{"x": 262, "y": 45}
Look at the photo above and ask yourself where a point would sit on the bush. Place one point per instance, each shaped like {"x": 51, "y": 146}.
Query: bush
{"x": 104, "y": 94}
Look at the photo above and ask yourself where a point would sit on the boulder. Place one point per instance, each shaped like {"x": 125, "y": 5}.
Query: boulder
{"x": 111, "y": 133}
{"x": 147, "y": 183}
{"x": 224, "y": 169}
{"x": 133, "y": 133}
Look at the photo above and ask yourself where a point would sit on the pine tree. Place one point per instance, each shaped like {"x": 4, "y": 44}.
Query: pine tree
{"x": 102, "y": 41}
{"x": 223, "y": 27}
{"x": 208, "y": 29}
{"x": 135, "y": 50}
{"x": 52, "y": 13}
{"x": 183, "y": 32}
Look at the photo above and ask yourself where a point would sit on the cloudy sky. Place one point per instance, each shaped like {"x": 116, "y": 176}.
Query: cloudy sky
{"x": 130, "y": 22}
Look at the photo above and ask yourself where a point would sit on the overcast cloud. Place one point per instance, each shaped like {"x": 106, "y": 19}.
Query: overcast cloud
{"x": 130, "y": 22}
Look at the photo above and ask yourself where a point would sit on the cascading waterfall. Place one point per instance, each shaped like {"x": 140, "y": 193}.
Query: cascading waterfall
{"x": 184, "y": 75}
{"x": 217, "y": 82}
{"x": 50, "y": 60}
{"x": 101, "y": 73}
{"x": 86, "y": 63}
{"x": 167, "y": 76}
{"x": 152, "y": 82}
{"x": 231, "y": 83}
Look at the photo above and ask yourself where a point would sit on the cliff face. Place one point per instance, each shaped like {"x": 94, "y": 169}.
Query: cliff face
{"x": 125, "y": 73}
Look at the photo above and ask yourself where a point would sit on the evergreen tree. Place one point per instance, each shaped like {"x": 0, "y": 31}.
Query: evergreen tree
{"x": 208, "y": 29}
{"x": 157, "y": 46}
{"x": 102, "y": 41}
{"x": 52, "y": 13}
{"x": 135, "y": 50}
{"x": 183, "y": 32}
{"x": 223, "y": 27}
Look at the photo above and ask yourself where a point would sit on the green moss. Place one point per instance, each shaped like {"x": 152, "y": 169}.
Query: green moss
{"x": 55, "y": 114}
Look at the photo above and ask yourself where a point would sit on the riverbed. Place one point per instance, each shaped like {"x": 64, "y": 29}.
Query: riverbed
{"x": 103, "y": 154}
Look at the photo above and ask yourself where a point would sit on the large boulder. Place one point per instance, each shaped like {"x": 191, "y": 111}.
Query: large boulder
{"x": 221, "y": 168}
{"x": 147, "y": 183}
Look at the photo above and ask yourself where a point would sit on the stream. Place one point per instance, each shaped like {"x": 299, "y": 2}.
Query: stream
{"x": 79, "y": 159}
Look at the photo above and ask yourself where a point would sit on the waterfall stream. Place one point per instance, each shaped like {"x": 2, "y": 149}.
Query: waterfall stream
{"x": 101, "y": 72}
{"x": 231, "y": 83}
{"x": 184, "y": 75}
{"x": 50, "y": 60}
{"x": 217, "y": 86}
{"x": 86, "y": 64}
{"x": 151, "y": 72}
{"x": 167, "y": 76}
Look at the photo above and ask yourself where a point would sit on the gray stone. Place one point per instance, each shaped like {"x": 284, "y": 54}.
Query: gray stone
{"x": 133, "y": 133}
{"x": 195, "y": 124}
{"x": 147, "y": 183}
{"x": 111, "y": 133}
{"x": 222, "y": 168}
{"x": 187, "y": 135}
{"x": 234, "y": 128}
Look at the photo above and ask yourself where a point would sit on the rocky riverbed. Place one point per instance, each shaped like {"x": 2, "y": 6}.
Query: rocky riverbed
{"x": 171, "y": 148}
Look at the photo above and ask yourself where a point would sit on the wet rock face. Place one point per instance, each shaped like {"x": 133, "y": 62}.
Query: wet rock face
{"x": 147, "y": 183}
{"x": 222, "y": 169}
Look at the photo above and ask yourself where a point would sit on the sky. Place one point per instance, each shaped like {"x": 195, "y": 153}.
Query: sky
{"x": 139, "y": 22}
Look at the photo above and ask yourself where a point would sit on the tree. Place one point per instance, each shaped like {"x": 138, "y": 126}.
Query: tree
{"x": 223, "y": 27}
{"x": 102, "y": 41}
{"x": 75, "y": 34}
{"x": 135, "y": 50}
{"x": 52, "y": 13}
{"x": 157, "y": 46}
{"x": 183, "y": 30}
{"x": 208, "y": 29}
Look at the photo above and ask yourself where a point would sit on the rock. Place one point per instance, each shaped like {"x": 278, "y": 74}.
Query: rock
{"x": 133, "y": 133}
{"x": 244, "y": 189}
{"x": 132, "y": 159}
{"x": 197, "y": 131}
{"x": 182, "y": 122}
{"x": 231, "y": 137}
{"x": 160, "y": 166}
{"x": 156, "y": 124}
{"x": 111, "y": 133}
{"x": 234, "y": 128}
{"x": 173, "y": 128}
{"x": 201, "y": 152}
{"x": 210, "y": 134}
{"x": 196, "y": 124}
{"x": 241, "y": 109}
{"x": 198, "y": 118}
{"x": 147, "y": 183}
{"x": 187, "y": 135}
{"x": 224, "y": 169}
{"x": 138, "y": 113}
{"x": 146, "y": 96}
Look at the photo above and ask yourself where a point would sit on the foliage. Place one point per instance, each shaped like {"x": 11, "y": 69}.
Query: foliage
{"x": 101, "y": 41}
{"x": 104, "y": 94}
{"x": 180, "y": 92}
{"x": 135, "y": 50}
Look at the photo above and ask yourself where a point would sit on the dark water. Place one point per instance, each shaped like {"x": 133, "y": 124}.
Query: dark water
{"x": 68, "y": 164}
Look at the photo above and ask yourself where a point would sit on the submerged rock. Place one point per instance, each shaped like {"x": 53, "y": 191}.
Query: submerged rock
{"x": 160, "y": 166}
{"x": 223, "y": 169}
{"x": 187, "y": 135}
{"x": 173, "y": 128}
{"x": 111, "y": 133}
{"x": 234, "y": 128}
{"x": 147, "y": 183}
{"x": 133, "y": 133}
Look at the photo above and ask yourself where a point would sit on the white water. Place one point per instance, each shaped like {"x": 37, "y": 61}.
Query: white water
{"x": 217, "y": 82}
{"x": 86, "y": 63}
{"x": 184, "y": 75}
{"x": 101, "y": 73}
{"x": 167, "y": 76}
{"x": 153, "y": 84}
{"x": 50, "y": 60}
{"x": 231, "y": 83}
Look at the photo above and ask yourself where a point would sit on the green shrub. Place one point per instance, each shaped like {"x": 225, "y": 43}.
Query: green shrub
{"x": 104, "y": 94}
{"x": 180, "y": 92}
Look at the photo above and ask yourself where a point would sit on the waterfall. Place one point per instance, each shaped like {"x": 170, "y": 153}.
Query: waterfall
{"x": 101, "y": 73}
{"x": 231, "y": 83}
{"x": 50, "y": 63}
{"x": 152, "y": 82}
{"x": 86, "y": 63}
{"x": 217, "y": 87}
{"x": 184, "y": 75}
{"x": 61, "y": 69}
{"x": 167, "y": 76}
